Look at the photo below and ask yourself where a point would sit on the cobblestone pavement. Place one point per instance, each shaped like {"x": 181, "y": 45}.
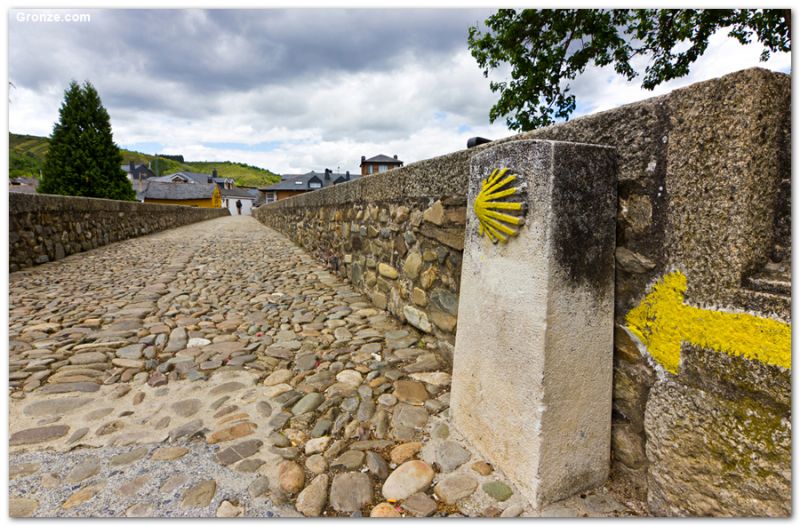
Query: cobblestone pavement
{"x": 218, "y": 370}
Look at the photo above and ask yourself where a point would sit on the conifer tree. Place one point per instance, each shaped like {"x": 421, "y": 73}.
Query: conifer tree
{"x": 82, "y": 159}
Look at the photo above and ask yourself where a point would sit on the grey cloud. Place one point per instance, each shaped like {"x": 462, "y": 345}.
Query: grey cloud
{"x": 221, "y": 50}
{"x": 188, "y": 77}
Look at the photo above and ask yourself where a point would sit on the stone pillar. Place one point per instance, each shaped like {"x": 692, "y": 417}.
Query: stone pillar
{"x": 532, "y": 372}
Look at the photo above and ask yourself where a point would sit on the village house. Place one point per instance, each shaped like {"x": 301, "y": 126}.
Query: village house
{"x": 23, "y": 185}
{"x": 201, "y": 195}
{"x": 194, "y": 177}
{"x": 137, "y": 171}
{"x": 137, "y": 174}
{"x": 231, "y": 195}
{"x": 379, "y": 164}
{"x": 295, "y": 184}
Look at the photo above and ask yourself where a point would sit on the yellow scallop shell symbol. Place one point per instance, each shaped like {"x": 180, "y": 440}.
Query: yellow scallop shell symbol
{"x": 494, "y": 224}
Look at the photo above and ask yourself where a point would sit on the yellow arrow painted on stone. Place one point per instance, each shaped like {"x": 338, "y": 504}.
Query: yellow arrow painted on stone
{"x": 662, "y": 321}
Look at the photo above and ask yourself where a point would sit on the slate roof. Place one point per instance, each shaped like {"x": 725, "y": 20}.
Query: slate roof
{"x": 192, "y": 176}
{"x": 23, "y": 185}
{"x": 127, "y": 167}
{"x": 382, "y": 159}
{"x": 24, "y": 180}
{"x": 300, "y": 182}
{"x": 237, "y": 192}
{"x": 177, "y": 191}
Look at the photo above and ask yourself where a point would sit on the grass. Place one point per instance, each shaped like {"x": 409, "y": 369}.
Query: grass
{"x": 27, "y": 154}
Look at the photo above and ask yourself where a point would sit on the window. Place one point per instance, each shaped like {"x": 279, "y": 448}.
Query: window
{"x": 369, "y": 168}
{"x": 315, "y": 185}
{"x": 270, "y": 198}
{"x": 298, "y": 182}
{"x": 383, "y": 168}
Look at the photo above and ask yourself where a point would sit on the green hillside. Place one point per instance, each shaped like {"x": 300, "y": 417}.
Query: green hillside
{"x": 27, "y": 153}
{"x": 244, "y": 174}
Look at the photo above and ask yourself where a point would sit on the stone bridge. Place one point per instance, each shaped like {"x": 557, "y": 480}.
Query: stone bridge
{"x": 217, "y": 369}
{"x": 636, "y": 331}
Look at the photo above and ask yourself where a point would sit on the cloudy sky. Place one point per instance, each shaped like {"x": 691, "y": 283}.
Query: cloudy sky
{"x": 289, "y": 90}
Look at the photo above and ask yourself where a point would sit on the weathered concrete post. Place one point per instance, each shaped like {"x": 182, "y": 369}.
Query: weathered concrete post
{"x": 532, "y": 375}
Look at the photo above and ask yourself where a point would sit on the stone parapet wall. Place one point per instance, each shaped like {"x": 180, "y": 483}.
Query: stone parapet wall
{"x": 704, "y": 205}
{"x": 702, "y": 174}
{"x": 398, "y": 237}
{"x": 45, "y": 228}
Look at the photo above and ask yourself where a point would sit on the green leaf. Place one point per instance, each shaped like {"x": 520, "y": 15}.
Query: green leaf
{"x": 546, "y": 47}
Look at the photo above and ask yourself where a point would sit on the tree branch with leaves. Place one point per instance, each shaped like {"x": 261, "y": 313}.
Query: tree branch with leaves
{"x": 547, "y": 48}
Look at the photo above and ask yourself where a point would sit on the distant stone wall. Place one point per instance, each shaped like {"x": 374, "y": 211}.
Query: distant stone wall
{"x": 45, "y": 228}
{"x": 703, "y": 215}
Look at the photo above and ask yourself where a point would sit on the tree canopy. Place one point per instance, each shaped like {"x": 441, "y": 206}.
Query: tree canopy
{"x": 82, "y": 159}
{"x": 546, "y": 48}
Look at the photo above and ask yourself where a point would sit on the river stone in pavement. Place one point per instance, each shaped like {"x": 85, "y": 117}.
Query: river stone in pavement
{"x": 199, "y": 495}
{"x": 38, "y": 434}
{"x": 407, "y": 479}
{"x": 311, "y": 501}
{"x": 351, "y": 491}
{"x": 455, "y": 487}
{"x": 420, "y": 505}
{"x": 446, "y": 455}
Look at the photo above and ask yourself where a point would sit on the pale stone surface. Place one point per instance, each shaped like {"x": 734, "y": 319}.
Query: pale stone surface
{"x": 21, "y": 507}
{"x": 141, "y": 509}
{"x": 407, "y": 479}
{"x": 127, "y": 458}
{"x": 59, "y": 406}
{"x": 169, "y": 453}
{"x": 350, "y": 377}
{"x": 387, "y": 271}
{"x": 557, "y": 274}
{"x": 199, "y": 495}
{"x": 417, "y": 318}
{"x": 317, "y": 445}
{"x": 291, "y": 477}
{"x": 420, "y": 505}
{"x": 316, "y": 464}
{"x": 350, "y": 491}
{"x": 404, "y": 452}
{"x": 515, "y": 510}
{"x": 410, "y": 392}
{"x": 445, "y": 455}
{"x": 311, "y": 501}
{"x": 82, "y": 495}
{"x": 22, "y": 470}
{"x": 455, "y": 487}
{"x": 233, "y": 432}
{"x": 37, "y": 435}
{"x": 384, "y": 510}
{"x": 438, "y": 378}
{"x": 227, "y": 510}
{"x": 82, "y": 472}
{"x": 434, "y": 214}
